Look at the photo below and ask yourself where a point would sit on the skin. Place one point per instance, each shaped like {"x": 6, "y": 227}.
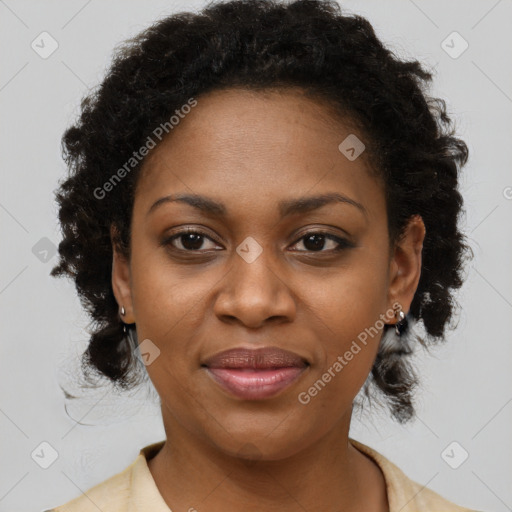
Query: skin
{"x": 250, "y": 150}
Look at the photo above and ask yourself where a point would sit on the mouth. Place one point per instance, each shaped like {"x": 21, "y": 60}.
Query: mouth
{"x": 255, "y": 374}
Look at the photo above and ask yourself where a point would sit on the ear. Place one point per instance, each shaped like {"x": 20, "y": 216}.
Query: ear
{"x": 121, "y": 280}
{"x": 405, "y": 264}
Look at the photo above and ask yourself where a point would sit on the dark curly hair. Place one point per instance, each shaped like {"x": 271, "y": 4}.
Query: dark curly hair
{"x": 265, "y": 45}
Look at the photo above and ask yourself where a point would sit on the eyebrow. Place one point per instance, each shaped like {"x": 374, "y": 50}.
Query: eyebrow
{"x": 286, "y": 207}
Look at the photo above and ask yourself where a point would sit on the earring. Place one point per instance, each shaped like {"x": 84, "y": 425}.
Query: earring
{"x": 123, "y": 312}
{"x": 401, "y": 322}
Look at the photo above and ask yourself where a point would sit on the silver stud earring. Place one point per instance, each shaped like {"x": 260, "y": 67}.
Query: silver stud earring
{"x": 401, "y": 322}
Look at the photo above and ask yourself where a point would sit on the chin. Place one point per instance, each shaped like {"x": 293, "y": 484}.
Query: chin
{"x": 255, "y": 439}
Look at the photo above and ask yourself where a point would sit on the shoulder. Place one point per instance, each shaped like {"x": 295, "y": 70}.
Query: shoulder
{"x": 404, "y": 494}
{"x": 121, "y": 491}
{"x": 109, "y": 495}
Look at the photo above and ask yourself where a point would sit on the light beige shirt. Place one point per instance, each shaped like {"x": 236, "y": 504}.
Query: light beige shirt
{"x": 134, "y": 490}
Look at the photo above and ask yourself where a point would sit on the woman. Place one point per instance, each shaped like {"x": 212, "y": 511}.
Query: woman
{"x": 261, "y": 208}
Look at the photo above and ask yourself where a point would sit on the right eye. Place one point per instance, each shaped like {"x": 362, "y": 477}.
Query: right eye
{"x": 191, "y": 240}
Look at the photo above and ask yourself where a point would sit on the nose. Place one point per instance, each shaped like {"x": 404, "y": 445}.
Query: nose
{"x": 254, "y": 294}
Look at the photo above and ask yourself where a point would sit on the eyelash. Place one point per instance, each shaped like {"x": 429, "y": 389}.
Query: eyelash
{"x": 342, "y": 242}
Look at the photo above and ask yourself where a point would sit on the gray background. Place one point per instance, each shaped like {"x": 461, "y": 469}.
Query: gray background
{"x": 466, "y": 393}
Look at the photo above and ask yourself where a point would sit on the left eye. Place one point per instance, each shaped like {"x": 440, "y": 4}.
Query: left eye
{"x": 315, "y": 242}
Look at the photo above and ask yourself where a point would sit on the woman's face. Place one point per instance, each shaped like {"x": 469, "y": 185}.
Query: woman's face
{"x": 253, "y": 275}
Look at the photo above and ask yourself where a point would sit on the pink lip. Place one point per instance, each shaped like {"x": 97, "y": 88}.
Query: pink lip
{"x": 255, "y": 374}
{"x": 255, "y": 384}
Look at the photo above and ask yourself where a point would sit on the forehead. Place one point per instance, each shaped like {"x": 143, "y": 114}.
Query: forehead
{"x": 252, "y": 145}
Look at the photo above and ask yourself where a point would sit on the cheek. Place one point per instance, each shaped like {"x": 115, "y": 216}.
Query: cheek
{"x": 350, "y": 309}
{"x": 329, "y": 391}
{"x": 169, "y": 299}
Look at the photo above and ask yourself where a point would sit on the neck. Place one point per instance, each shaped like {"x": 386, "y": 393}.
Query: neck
{"x": 329, "y": 474}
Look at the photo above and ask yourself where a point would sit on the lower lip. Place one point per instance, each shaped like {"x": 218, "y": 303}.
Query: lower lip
{"x": 252, "y": 384}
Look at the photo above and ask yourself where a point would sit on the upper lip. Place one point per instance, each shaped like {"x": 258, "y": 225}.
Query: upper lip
{"x": 261, "y": 358}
